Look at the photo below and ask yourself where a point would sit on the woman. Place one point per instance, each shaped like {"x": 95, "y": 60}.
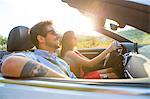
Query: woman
{"x": 76, "y": 60}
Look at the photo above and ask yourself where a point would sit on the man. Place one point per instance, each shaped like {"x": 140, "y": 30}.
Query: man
{"x": 42, "y": 62}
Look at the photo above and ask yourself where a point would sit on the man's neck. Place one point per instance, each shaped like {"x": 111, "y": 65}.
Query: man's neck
{"x": 50, "y": 50}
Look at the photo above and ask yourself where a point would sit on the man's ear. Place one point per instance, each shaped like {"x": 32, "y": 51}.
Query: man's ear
{"x": 40, "y": 39}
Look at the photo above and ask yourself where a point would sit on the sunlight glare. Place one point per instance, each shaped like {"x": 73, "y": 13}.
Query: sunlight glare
{"x": 29, "y": 12}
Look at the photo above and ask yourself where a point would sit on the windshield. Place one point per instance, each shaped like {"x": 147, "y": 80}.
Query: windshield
{"x": 136, "y": 36}
{"x": 131, "y": 33}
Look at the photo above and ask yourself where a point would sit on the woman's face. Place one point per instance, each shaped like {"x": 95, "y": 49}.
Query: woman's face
{"x": 74, "y": 40}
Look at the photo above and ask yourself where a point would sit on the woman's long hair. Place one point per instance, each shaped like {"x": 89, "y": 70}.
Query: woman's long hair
{"x": 67, "y": 42}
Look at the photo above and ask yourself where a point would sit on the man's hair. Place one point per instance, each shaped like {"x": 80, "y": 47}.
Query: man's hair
{"x": 39, "y": 29}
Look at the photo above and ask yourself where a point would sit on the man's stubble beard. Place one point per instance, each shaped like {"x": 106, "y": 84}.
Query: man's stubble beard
{"x": 52, "y": 45}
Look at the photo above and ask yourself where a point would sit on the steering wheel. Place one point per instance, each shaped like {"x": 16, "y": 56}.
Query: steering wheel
{"x": 122, "y": 50}
{"x": 118, "y": 52}
{"x": 115, "y": 61}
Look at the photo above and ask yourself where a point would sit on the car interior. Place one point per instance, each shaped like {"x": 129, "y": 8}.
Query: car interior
{"x": 131, "y": 63}
{"x": 124, "y": 12}
{"x": 127, "y": 63}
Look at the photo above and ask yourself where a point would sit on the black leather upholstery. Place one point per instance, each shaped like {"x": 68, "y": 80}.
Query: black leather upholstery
{"x": 19, "y": 39}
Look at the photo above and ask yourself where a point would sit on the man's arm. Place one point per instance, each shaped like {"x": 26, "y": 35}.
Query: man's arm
{"x": 21, "y": 67}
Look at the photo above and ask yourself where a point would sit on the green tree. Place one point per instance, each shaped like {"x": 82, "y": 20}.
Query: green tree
{"x": 3, "y": 43}
{"x": 137, "y": 36}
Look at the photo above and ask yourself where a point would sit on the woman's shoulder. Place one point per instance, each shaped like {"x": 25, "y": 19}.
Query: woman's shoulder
{"x": 71, "y": 53}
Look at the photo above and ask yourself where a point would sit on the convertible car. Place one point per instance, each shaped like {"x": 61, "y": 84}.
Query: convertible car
{"x": 133, "y": 59}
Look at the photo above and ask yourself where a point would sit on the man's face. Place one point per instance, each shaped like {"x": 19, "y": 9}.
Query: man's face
{"x": 51, "y": 39}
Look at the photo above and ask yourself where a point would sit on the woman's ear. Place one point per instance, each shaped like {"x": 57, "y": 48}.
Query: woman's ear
{"x": 40, "y": 39}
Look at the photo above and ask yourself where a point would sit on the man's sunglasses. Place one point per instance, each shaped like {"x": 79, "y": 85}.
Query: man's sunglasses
{"x": 53, "y": 32}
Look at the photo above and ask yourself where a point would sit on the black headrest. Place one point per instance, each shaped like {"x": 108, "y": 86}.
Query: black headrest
{"x": 19, "y": 39}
